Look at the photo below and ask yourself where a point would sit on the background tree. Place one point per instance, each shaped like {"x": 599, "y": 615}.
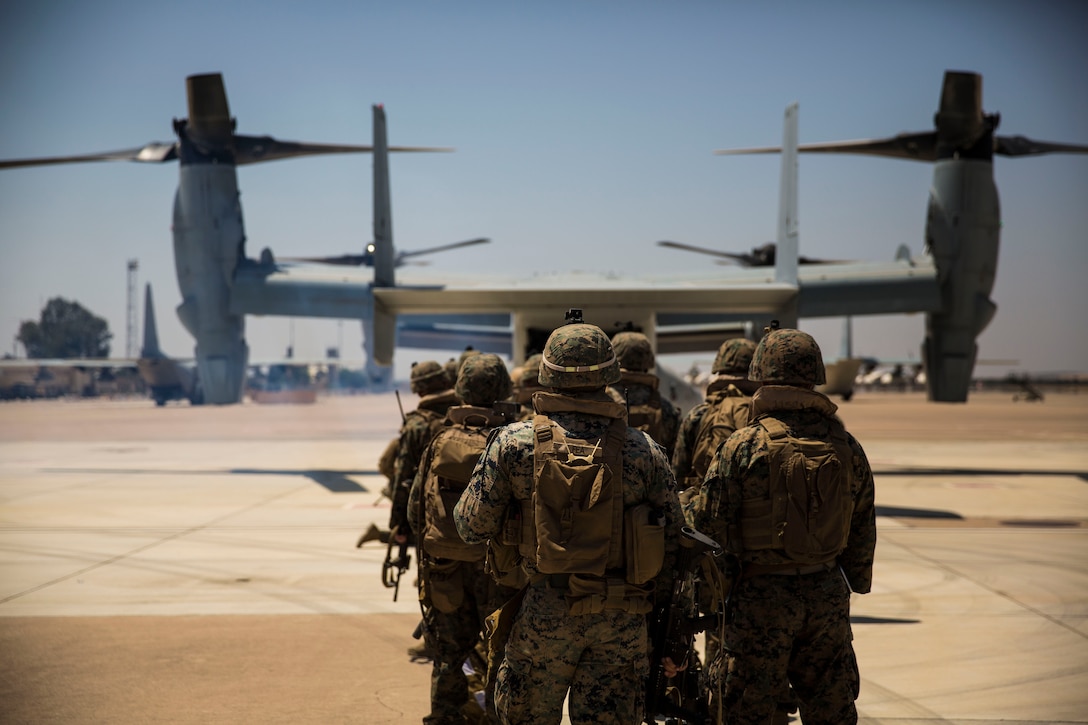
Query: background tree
{"x": 66, "y": 330}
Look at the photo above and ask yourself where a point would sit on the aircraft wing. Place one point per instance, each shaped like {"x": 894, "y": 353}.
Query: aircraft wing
{"x": 690, "y": 314}
{"x": 553, "y": 294}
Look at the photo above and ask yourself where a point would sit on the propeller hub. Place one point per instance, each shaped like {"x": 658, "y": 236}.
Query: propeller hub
{"x": 209, "y": 113}
{"x": 959, "y": 120}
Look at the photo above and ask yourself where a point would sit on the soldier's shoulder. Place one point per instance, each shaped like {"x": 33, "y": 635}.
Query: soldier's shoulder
{"x": 639, "y": 443}
{"x": 517, "y": 433}
{"x": 749, "y": 435}
{"x": 696, "y": 412}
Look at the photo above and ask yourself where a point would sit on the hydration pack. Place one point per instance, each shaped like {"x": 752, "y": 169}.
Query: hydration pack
{"x": 577, "y": 500}
{"x": 807, "y": 516}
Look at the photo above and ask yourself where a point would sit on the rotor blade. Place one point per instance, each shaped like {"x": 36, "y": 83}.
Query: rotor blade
{"x": 745, "y": 260}
{"x": 1023, "y": 146}
{"x": 444, "y": 247}
{"x": 343, "y": 260}
{"x": 254, "y": 149}
{"x": 913, "y": 146}
{"x": 155, "y": 152}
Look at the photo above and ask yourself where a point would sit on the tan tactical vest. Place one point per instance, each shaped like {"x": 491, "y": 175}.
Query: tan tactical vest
{"x": 810, "y": 504}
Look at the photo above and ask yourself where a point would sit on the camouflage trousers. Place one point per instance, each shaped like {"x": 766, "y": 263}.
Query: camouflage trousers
{"x": 471, "y": 594}
{"x": 791, "y": 630}
{"x": 600, "y": 658}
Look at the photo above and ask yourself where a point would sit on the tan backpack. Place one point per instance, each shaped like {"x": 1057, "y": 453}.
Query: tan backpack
{"x": 726, "y": 412}
{"x": 454, "y": 454}
{"x": 807, "y": 516}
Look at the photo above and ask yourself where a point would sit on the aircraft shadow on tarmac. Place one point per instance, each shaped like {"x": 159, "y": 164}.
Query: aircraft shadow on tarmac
{"x": 1082, "y": 475}
{"x": 334, "y": 481}
{"x": 901, "y": 512}
{"x": 862, "y": 619}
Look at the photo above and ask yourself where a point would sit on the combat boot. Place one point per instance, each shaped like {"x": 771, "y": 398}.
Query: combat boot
{"x": 421, "y": 652}
{"x": 373, "y": 534}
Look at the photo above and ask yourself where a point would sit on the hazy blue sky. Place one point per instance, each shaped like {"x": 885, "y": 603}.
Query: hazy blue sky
{"x": 584, "y": 133}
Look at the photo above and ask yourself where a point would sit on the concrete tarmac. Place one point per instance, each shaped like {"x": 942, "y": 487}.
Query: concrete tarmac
{"x": 198, "y": 565}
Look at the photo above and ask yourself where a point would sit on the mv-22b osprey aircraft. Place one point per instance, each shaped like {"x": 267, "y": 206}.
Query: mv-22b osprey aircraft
{"x": 220, "y": 284}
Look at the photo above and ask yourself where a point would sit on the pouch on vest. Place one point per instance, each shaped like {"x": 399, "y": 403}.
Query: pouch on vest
{"x": 577, "y": 502}
{"x": 811, "y": 497}
{"x": 643, "y": 542}
{"x": 592, "y": 595}
{"x": 445, "y": 586}
{"x": 503, "y": 560}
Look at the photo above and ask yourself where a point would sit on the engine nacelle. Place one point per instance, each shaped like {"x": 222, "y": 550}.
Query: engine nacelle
{"x": 206, "y": 252}
{"x": 962, "y": 234}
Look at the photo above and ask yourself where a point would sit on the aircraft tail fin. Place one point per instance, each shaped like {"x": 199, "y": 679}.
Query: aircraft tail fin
{"x": 787, "y": 252}
{"x": 384, "y": 260}
{"x": 380, "y": 330}
{"x": 150, "y": 347}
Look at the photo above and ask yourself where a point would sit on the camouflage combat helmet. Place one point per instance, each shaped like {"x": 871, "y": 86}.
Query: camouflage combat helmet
{"x": 483, "y": 380}
{"x": 787, "y": 357}
{"x": 451, "y": 370}
{"x": 530, "y": 372}
{"x": 578, "y": 356}
{"x": 428, "y": 377}
{"x": 634, "y": 351}
{"x": 734, "y": 356}
{"x": 470, "y": 351}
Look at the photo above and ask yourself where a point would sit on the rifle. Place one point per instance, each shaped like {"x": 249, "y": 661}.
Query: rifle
{"x": 392, "y": 569}
{"x": 672, "y": 629}
{"x": 400, "y": 405}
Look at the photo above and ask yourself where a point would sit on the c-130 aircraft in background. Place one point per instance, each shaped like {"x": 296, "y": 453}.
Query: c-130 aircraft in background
{"x": 220, "y": 284}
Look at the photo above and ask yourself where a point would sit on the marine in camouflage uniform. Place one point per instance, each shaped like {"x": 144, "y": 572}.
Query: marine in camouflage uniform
{"x": 730, "y": 391}
{"x": 637, "y": 387}
{"x": 454, "y": 618}
{"x": 729, "y": 387}
{"x": 789, "y": 622}
{"x": 429, "y": 381}
{"x": 600, "y": 656}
